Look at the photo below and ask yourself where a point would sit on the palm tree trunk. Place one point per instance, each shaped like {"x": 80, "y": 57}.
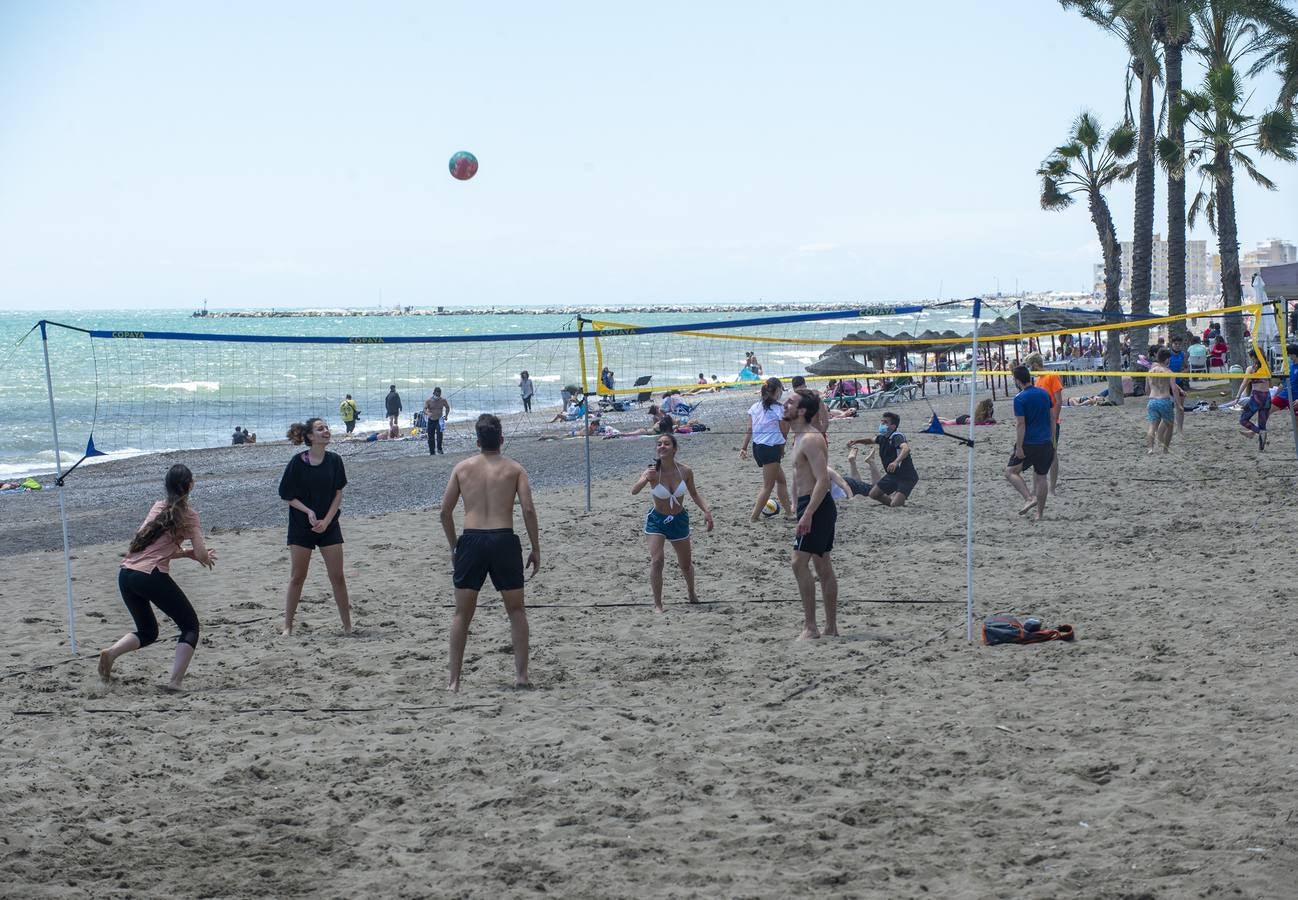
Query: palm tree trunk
{"x": 1175, "y": 192}
{"x": 1228, "y": 246}
{"x": 1103, "y": 220}
{"x": 1142, "y": 255}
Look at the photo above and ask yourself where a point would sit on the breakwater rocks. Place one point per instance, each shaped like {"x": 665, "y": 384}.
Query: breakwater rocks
{"x": 758, "y": 306}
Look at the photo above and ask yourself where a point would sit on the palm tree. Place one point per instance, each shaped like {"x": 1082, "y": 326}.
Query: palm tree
{"x": 1089, "y": 164}
{"x": 1133, "y": 24}
{"x": 1224, "y": 136}
{"x": 1173, "y": 29}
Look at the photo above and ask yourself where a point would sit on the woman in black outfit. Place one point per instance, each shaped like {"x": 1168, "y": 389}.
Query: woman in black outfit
{"x": 313, "y": 485}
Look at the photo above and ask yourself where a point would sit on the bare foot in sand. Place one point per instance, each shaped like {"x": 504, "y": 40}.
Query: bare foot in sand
{"x": 173, "y": 687}
{"x": 523, "y": 685}
{"x": 809, "y": 634}
{"x": 659, "y": 608}
{"x": 1030, "y": 505}
{"x": 692, "y": 598}
{"x": 454, "y": 686}
{"x": 831, "y": 631}
{"x": 105, "y": 665}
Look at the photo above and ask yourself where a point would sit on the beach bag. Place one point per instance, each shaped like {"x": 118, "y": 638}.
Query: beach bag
{"x": 1009, "y": 630}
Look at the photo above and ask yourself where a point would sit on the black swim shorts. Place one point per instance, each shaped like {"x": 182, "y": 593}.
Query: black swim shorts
{"x": 891, "y": 484}
{"x": 765, "y": 454}
{"x": 820, "y": 539}
{"x": 859, "y": 488}
{"x": 1038, "y": 457}
{"x": 305, "y": 537}
{"x": 488, "y": 551}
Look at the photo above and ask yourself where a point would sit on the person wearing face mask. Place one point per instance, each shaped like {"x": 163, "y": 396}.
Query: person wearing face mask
{"x": 898, "y": 477}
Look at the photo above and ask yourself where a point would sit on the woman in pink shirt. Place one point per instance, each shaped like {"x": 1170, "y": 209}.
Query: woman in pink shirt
{"x": 145, "y": 582}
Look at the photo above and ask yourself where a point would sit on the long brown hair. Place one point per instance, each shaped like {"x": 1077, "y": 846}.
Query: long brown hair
{"x": 300, "y": 432}
{"x": 769, "y": 387}
{"x": 171, "y": 520}
{"x": 985, "y": 410}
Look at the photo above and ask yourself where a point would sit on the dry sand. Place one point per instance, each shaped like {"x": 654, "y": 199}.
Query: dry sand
{"x": 704, "y": 752}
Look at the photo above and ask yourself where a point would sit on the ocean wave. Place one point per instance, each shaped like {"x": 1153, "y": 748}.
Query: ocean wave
{"x": 190, "y": 386}
{"x": 42, "y": 462}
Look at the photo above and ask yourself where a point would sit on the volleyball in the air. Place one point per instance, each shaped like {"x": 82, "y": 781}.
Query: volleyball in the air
{"x": 772, "y": 508}
{"x": 464, "y": 165}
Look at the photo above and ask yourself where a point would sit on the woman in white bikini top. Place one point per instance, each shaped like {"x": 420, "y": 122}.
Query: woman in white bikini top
{"x": 669, "y": 482}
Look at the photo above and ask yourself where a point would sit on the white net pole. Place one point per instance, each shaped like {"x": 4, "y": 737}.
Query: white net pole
{"x": 969, "y": 499}
{"x": 63, "y": 512}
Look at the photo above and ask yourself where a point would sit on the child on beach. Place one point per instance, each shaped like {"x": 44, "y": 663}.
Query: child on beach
{"x": 145, "y": 580}
{"x": 312, "y": 485}
{"x": 669, "y": 482}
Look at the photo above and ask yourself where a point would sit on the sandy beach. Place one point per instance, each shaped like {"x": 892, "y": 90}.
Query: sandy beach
{"x": 700, "y": 753}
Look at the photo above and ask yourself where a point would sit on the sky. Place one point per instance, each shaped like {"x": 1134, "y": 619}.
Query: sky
{"x": 295, "y": 154}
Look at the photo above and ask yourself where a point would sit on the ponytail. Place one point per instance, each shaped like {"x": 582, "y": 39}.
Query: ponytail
{"x": 300, "y": 432}
{"x": 171, "y": 519}
{"x": 769, "y": 387}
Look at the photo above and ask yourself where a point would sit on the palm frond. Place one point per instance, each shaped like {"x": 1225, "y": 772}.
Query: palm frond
{"x": 1276, "y": 134}
{"x": 1052, "y": 198}
{"x": 1121, "y": 141}
{"x": 1086, "y": 131}
{"x": 1244, "y": 162}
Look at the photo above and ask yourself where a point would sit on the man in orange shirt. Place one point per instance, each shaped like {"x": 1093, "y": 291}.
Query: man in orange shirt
{"x": 1054, "y": 386}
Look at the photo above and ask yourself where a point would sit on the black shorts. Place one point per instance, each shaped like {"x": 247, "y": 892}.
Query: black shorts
{"x": 298, "y": 537}
{"x": 488, "y": 551}
{"x": 351, "y": 426}
{"x": 891, "y": 484}
{"x": 1038, "y": 457}
{"x": 859, "y": 488}
{"x": 765, "y": 454}
{"x": 820, "y": 539}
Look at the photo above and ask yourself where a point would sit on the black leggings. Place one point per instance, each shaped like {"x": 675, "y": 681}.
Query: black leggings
{"x": 139, "y": 590}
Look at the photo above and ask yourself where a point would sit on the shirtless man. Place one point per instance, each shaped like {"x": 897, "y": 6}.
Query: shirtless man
{"x": 436, "y": 409}
{"x": 489, "y": 483}
{"x": 816, "y": 513}
{"x": 1164, "y": 401}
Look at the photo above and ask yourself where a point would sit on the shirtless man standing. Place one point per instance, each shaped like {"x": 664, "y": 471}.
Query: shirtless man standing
{"x": 1164, "y": 401}
{"x": 816, "y": 513}
{"x": 489, "y": 483}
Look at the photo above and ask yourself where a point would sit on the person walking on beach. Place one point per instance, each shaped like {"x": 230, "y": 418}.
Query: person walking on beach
{"x": 1034, "y": 447}
{"x": 312, "y": 485}
{"x": 489, "y": 483}
{"x": 817, "y": 515}
{"x": 1164, "y": 401}
{"x": 436, "y": 411}
{"x": 347, "y": 409}
{"x": 144, "y": 578}
{"x": 1052, "y": 385}
{"x": 392, "y": 403}
{"x": 668, "y": 520}
{"x": 766, "y": 430}
{"x": 526, "y": 389}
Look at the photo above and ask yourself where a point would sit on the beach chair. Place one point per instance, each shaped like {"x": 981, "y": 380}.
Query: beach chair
{"x": 1197, "y": 364}
{"x": 643, "y": 396}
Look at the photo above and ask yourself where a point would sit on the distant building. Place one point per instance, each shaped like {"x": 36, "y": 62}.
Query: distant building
{"x": 1196, "y": 269}
{"x": 1274, "y": 252}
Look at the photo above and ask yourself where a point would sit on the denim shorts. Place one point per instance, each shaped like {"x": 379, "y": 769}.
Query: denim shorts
{"x": 674, "y": 527}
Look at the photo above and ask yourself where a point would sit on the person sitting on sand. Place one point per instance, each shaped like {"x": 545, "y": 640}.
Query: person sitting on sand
{"x": 144, "y": 578}
{"x": 312, "y": 486}
{"x": 489, "y": 484}
{"x": 574, "y": 412}
{"x": 668, "y": 520}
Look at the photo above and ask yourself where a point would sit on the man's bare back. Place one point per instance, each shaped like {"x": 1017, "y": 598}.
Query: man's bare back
{"x": 1159, "y": 386}
{"x": 488, "y": 484}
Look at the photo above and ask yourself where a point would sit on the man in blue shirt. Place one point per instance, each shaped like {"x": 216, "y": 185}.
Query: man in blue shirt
{"x": 1034, "y": 446}
{"x": 1177, "y": 364}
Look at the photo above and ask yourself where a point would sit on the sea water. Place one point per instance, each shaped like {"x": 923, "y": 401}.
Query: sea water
{"x": 137, "y": 396}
